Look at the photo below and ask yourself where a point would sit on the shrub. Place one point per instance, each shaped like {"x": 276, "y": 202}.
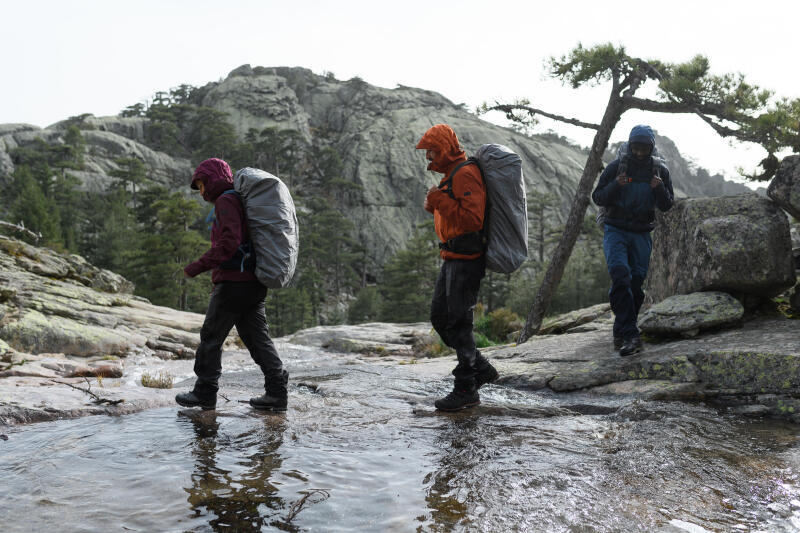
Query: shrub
{"x": 162, "y": 380}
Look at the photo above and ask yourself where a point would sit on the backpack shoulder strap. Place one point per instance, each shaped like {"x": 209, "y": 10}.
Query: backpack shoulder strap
{"x": 449, "y": 181}
{"x": 623, "y": 165}
{"x": 658, "y": 165}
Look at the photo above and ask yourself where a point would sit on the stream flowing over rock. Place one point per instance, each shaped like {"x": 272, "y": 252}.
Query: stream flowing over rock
{"x": 735, "y": 244}
{"x": 62, "y": 319}
{"x": 56, "y": 329}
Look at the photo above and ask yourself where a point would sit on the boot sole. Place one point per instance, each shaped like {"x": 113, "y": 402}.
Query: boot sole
{"x": 460, "y": 408}
{"x": 628, "y": 354}
{"x": 203, "y": 407}
{"x": 268, "y": 408}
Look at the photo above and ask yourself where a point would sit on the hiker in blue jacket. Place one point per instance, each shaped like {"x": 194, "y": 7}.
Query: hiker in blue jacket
{"x": 630, "y": 188}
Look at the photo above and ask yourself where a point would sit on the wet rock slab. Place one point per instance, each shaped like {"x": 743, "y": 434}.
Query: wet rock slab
{"x": 757, "y": 364}
{"x": 375, "y": 338}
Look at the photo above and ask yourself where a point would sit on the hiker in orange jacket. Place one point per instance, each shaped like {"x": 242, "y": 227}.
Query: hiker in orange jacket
{"x": 458, "y": 204}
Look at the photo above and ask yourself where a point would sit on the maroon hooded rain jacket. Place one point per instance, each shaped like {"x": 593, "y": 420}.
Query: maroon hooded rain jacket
{"x": 229, "y": 228}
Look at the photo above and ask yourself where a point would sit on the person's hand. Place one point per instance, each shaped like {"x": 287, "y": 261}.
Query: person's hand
{"x": 187, "y": 276}
{"x": 655, "y": 182}
{"x": 623, "y": 180}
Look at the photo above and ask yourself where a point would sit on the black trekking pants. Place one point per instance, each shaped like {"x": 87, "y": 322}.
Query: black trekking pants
{"x": 454, "y": 297}
{"x": 239, "y": 304}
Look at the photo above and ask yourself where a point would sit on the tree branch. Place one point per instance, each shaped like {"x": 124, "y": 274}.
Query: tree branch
{"x": 702, "y": 110}
{"x": 97, "y": 399}
{"x": 509, "y": 109}
{"x": 21, "y": 229}
{"x": 631, "y": 102}
{"x": 725, "y": 131}
{"x": 635, "y": 82}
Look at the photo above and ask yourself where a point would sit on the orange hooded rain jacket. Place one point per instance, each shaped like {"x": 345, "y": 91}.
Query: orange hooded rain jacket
{"x": 464, "y": 212}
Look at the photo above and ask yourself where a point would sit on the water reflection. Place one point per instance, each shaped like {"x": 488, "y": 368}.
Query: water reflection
{"x": 231, "y": 482}
{"x": 462, "y": 449}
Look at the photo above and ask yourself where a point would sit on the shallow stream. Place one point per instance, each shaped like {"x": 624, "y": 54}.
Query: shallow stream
{"x": 361, "y": 449}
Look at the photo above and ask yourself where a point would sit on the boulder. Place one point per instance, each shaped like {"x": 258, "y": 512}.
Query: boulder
{"x": 372, "y": 338}
{"x": 573, "y": 319}
{"x": 36, "y": 333}
{"x": 784, "y": 188}
{"x": 736, "y": 244}
{"x": 688, "y": 314}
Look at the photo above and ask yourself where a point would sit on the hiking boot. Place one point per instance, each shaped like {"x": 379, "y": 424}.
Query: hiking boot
{"x": 190, "y": 399}
{"x": 464, "y": 394}
{"x": 266, "y": 402}
{"x": 457, "y": 400}
{"x": 276, "y": 396}
{"x": 618, "y": 341}
{"x": 485, "y": 373}
{"x": 631, "y": 346}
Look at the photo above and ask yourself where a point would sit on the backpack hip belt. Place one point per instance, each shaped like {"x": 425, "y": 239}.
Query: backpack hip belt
{"x": 466, "y": 244}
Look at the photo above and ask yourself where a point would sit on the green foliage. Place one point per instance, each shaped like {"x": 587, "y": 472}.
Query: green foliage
{"x": 495, "y": 326}
{"x": 366, "y": 307}
{"x": 482, "y": 341}
{"x": 110, "y": 232}
{"x": 728, "y": 103}
{"x": 590, "y": 65}
{"x": 409, "y": 278}
{"x": 167, "y": 244}
{"x": 33, "y": 209}
{"x": 289, "y": 310}
{"x": 130, "y": 172}
{"x": 585, "y": 281}
{"x": 542, "y": 233}
{"x": 209, "y": 134}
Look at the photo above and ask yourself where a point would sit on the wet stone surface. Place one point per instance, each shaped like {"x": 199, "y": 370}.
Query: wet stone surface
{"x": 361, "y": 449}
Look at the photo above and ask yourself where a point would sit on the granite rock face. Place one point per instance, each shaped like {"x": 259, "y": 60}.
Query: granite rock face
{"x": 784, "y": 188}
{"x": 736, "y": 244}
{"x": 688, "y": 314}
{"x": 59, "y": 304}
{"x": 374, "y": 131}
{"x": 112, "y": 138}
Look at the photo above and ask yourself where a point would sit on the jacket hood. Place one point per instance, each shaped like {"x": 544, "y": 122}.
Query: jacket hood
{"x": 216, "y": 176}
{"x": 642, "y": 134}
{"x": 444, "y": 141}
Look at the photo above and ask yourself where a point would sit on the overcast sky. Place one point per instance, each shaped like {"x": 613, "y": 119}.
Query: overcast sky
{"x": 64, "y": 58}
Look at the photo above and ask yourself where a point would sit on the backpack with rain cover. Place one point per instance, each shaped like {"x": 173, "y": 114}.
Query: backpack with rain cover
{"x": 624, "y": 156}
{"x": 272, "y": 224}
{"x": 504, "y": 236}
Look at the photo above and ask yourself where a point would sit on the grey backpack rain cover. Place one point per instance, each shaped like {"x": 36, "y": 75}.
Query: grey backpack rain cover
{"x": 506, "y": 227}
{"x": 272, "y": 223}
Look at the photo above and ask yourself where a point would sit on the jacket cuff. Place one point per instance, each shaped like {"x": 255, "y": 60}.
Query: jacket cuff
{"x": 193, "y": 269}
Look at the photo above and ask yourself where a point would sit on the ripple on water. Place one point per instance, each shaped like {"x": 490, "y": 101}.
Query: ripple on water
{"x": 363, "y": 450}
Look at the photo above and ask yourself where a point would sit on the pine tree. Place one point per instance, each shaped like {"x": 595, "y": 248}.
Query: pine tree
{"x": 409, "y": 278}
{"x": 131, "y": 172}
{"x": 727, "y": 103}
{"x": 168, "y": 244}
{"x": 32, "y": 209}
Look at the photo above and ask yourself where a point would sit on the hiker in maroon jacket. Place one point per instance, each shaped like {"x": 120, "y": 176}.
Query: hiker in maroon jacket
{"x": 236, "y": 300}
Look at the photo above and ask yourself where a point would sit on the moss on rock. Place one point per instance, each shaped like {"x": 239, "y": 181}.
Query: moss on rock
{"x": 36, "y": 333}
